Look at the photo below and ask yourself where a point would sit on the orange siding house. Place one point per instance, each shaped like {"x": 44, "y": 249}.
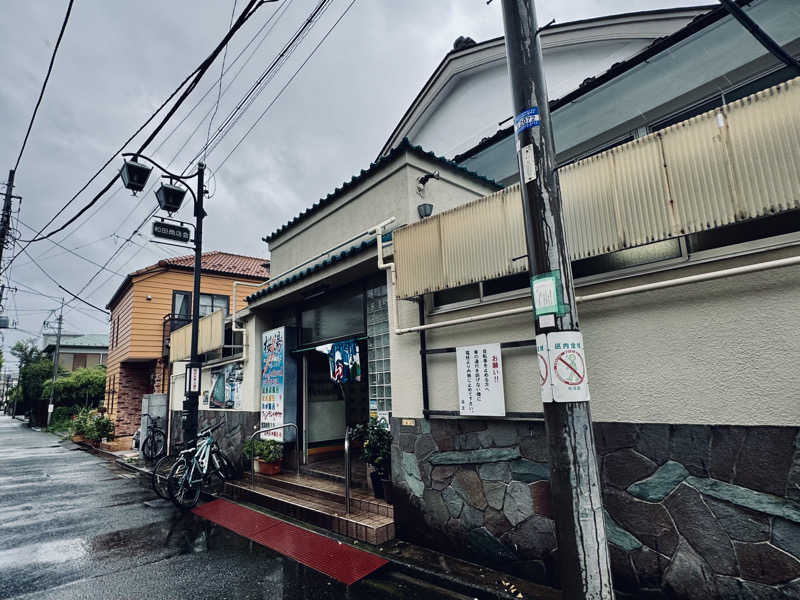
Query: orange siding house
{"x": 149, "y": 304}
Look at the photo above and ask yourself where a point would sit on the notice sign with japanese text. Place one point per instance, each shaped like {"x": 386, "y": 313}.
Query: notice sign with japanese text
{"x": 480, "y": 381}
{"x": 273, "y": 350}
{"x": 562, "y": 367}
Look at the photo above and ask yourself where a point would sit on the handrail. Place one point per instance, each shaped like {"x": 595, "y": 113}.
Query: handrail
{"x": 347, "y": 470}
{"x": 296, "y": 443}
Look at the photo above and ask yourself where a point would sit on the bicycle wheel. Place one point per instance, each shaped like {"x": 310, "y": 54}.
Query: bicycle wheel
{"x": 159, "y": 443}
{"x": 161, "y": 473}
{"x": 148, "y": 448}
{"x": 181, "y": 492}
{"x": 223, "y": 467}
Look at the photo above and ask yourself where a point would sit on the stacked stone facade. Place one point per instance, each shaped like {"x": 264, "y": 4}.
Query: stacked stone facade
{"x": 134, "y": 381}
{"x": 691, "y": 511}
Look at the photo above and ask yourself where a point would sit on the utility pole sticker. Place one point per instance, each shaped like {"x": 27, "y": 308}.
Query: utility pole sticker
{"x": 565, "y": 379}
{"x": 527, "y": 119}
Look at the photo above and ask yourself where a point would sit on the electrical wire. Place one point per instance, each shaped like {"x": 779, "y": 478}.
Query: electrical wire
{"x": 61, "y": 287}
{"x": 197, "y": 74}
{"x": 44, "y": 83}
{"x": 286, "y": 85}
{"x": 89, "y": 260}
{"x": 221, "y": 74}
{"x": 260, "y": 84}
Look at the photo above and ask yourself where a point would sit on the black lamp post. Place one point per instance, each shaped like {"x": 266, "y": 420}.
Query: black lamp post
{"x": 170, "y": 197}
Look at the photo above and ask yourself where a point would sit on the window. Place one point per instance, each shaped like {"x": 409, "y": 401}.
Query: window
{"x": 78, "y": 361}
{"x": 209, "y": 303}
{"x": 182, "y": 303}
{"x": 336, "y": 319}
{"x": 484, "y": 291}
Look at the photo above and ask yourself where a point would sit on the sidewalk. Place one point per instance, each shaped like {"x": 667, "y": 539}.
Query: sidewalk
{"x": 439, "y": 569}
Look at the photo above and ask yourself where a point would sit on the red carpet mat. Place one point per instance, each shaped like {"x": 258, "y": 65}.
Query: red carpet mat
{"x": 339, "y": 561}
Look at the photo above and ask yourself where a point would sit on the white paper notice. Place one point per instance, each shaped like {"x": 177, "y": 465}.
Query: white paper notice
{"x": 528, "y": 163}
{"x": 567, "y": 360}
{"x": 480, "y": 381}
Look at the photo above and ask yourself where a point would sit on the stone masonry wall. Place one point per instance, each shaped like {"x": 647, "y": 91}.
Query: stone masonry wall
{"x": 135, "y": 380}
{"x": 691, "y": 511}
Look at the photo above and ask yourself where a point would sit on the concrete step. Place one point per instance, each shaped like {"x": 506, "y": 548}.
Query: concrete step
{"x": 331, "y": 491}
{"x": 369, "y": 527}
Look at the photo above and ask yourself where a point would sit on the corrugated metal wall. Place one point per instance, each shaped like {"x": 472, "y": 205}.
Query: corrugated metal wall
{"x": 731, "y": 164}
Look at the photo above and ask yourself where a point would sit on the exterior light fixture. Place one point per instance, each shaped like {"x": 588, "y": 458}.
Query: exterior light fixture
{"x": 422, "y": 180}
{"x": 134, "y": 175}
{"x": 170, "y": 197}
{"x": 425, "y": 210}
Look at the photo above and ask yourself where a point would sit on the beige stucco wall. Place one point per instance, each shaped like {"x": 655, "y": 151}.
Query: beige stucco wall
{"x": 390, "y": 192}
{"x": 716, "y": 352}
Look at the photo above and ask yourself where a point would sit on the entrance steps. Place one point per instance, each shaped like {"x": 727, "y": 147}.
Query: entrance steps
{"x": 320, "y": 502}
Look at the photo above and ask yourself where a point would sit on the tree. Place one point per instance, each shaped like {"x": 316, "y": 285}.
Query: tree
{"x": 81, "y": 386}
{"x": 34, "y": 370}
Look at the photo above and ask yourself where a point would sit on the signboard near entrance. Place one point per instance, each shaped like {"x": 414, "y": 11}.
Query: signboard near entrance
{"x": 480, "y": 381}
{"x": 273, "y": 360}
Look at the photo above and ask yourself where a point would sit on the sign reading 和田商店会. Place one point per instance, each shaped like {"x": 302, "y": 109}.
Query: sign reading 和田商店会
{"x": 480, "y": 381}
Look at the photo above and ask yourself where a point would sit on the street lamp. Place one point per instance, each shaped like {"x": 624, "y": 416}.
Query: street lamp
{"x": 170, "y": 197}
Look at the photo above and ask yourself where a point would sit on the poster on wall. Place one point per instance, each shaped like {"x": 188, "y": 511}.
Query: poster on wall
{"x": 273, "y": 350}
{"x": 345, "y": 361}
{"x": 480, "y": 381}
{"x": 226, "y": 387}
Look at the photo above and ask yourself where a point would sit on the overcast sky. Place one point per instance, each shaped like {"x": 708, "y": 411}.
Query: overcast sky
{"x": 119, "y": 60}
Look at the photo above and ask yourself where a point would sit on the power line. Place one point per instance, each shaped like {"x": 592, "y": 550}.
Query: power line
{"x": 221, "y": 74}
{"x": 73, "y": 252}
{"x": 44, "y": 84}
{"x": 259, "y": 85}
{"x": 197, "y": 74}
{"x": 285, "y": 85}
{"x": 61, "y": 287}
{"x": 279, "y": 12}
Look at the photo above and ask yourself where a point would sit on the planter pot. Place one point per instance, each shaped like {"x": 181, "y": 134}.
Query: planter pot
{"x": 267, "y": 468}
{"x": 78, "y": 438}
{"x": 377, "y": 488}
{"x": 386, "y": 484}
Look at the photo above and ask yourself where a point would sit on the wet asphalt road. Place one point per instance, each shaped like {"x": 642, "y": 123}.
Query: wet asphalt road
{"x": 76, "y": 526}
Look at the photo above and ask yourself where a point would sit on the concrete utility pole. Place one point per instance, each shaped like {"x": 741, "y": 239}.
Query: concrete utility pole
{"x": 574, "y": 480}
{"x": 5, "y": 218}
{"x": 55, "y": 361}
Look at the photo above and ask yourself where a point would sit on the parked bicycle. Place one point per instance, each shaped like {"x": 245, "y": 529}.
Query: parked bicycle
{"x": 195, "y": 466}
{"x": 155, "y": 440}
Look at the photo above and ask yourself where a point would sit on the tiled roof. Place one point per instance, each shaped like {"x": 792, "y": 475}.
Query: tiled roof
{"x": 218, "y": 262}
{"x": 214, "y": 261}
{"x": 298, "y": 275}
{"x": 404, "y": 146}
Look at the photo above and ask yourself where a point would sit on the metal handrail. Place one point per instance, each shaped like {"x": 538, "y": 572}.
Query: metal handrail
{"x": 347, "y": 470}
{"x": 296, "y": 443}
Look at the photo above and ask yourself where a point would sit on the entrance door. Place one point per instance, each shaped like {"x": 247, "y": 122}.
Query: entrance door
{"x": 337, "y": 395}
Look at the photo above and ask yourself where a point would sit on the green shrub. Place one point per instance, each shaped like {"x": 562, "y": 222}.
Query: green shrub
{"x": 63, "y": 413}
{"x": 377, "y": 449}
{"x": 266, "y": 450}
{"x": 99, "y": 427}
{"x": 80, "y": 423}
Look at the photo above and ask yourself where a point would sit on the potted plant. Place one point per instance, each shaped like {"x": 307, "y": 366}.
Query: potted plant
{"x": 267, "y": 455}
{"x": 377, "y": 451}
{"x": 80, "y": 424}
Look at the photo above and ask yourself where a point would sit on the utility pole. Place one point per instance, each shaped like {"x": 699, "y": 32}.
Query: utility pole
{"x": 193, "y": 371}
{"x": 574, "y": 480}
{"x": 55, "y": 361}
{"x": 5, "y": 218}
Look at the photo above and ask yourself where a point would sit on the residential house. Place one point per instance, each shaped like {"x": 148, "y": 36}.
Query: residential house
{"x": 150, "y": 304}
{"x": 78, "y": 351}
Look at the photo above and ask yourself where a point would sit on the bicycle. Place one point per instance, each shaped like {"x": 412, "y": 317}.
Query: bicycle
{"x": 195, "y": 466}
{"x": 155, "y": 441}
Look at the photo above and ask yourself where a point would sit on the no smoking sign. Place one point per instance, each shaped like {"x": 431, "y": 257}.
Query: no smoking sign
{"x": 562, "y": 367}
